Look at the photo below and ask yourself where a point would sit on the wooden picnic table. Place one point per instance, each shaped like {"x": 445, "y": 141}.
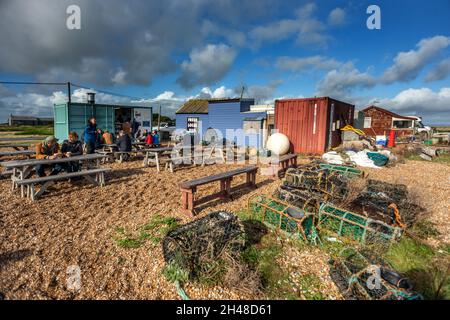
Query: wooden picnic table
{"x": 15, "y": 146}
{"x": 17, "y": 153}
{"x": 21, "y": 169}
{"x": 23, "y": 139}
{"x": 152, "y": 155}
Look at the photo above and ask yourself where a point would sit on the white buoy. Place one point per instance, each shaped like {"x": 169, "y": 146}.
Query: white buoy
{"x": 278, "y": 143}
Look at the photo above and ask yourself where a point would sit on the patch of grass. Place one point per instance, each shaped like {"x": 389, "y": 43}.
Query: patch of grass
{"x": 310, "y": 287}
{"x": 173, "y": 273}
{"x": 155, "y": 230}
{"x": 28, "y": 130}
{"x": 425, "y": 229}
{"x": 441, "y": 158}
{"x": 275, "y": 281}
{"x": 428, "y": 270}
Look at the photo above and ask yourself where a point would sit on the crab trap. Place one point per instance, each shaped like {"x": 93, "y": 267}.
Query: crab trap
{"x": 347, "y": 171}
{"x": 358, "y": 278}
{"x": 355, "y": 226}
{"x": 333, "y": 184}
{"x": 283, "y": 216}
{"x": 194, "y": 248}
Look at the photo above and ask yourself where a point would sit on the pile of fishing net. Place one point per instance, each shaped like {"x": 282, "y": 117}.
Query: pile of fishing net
{"x": 387, "y": 202}
{"x": 195, "y": 248}
{"x": 359, "y": 276}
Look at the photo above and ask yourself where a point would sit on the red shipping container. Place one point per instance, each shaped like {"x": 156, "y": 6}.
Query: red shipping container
{"x": 312, "y": 124}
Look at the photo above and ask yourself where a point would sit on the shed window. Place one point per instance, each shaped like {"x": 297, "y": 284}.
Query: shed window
{"x": 192, "y": 124}
{"x": 367, "y": 122}
{"x": 402, "y": 124}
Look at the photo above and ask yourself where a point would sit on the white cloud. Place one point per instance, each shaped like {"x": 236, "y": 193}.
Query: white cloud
{"x": 308, "y": 30}
{"x": 341, "y": 82}
{"x": 423, "y": 100}
{"x": 337, "y": 17}
{"x": 407, "y": 65}
{"x": 206, "y": 65}
{"x": 299, "y": 64}
{"x": 439, "y": 72}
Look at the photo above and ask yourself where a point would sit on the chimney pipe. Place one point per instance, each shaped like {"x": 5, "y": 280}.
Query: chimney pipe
{"x": 91, "y": 97}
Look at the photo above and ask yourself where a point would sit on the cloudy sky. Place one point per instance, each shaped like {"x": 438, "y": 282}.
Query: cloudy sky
{"x": 164, "y": 52}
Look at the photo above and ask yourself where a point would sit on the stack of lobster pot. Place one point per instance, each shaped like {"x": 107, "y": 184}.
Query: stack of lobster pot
{"x": 308, "y": 186}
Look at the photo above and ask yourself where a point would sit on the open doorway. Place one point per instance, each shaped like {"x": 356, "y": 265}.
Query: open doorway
{"x": 122, "y": 115}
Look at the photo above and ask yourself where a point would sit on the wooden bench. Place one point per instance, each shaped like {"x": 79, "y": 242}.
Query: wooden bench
{"x": 188, "y": 188}
{"x": 283, "y": 162}
{"x": 99, "y": 180}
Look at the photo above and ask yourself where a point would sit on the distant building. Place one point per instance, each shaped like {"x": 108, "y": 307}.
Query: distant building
{"x": 205, "y": 117}
{"x": 379, "y": 121}
{"x": 29, "y": 121}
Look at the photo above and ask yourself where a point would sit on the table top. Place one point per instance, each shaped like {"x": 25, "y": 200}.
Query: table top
{"x": 158, "y": 150}
{"x": 17, "y": 153}
{"x": 24, "y": 145}
{"x": 23, "y": 139}
{"x": 32, "y": 162}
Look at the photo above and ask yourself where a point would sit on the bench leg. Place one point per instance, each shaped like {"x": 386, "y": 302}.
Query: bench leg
{"x": 187, "y": 200}
{"x": 32, "y": 195}
{"x": 42, "y": 189}
{"x": 157, "y": 161}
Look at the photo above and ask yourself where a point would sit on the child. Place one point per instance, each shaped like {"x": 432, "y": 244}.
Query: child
{"x": 155, "y": 138}
{"x": 149, "y": 140}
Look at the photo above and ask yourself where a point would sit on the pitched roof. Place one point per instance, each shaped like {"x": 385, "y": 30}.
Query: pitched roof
{"x": 395, "y": 115}
{"x": 194, "y": 106}
{"x": 201, "y": 105}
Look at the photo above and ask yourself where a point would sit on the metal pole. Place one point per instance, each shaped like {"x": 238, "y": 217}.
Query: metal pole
{"x": 69, "y": 92}
{"x": 159, "y": 117}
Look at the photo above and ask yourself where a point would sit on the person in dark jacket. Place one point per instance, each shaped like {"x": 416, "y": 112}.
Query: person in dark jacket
{"x": 90, "y": 135}
{"x": 124, "y": 143}
{"x": 71, "y": 148}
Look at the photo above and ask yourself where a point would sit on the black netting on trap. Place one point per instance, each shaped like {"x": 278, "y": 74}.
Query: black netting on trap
{"x": 358, "y": 277}
{"x": 196, "y": 247}
{"x": 387, "y": 202}
{"x": 335, "y": 184}
{"x": 308, "y": 200}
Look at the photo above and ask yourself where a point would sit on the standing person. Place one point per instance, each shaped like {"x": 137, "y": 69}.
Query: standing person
{"x": 90, "y": 135}
{"x": 48, "y": 149}
{"x": 126, "y": 127}
{"x": 135, "y": 127}
{"x": 124, "y": 143}
{"x": 71, "y": 148}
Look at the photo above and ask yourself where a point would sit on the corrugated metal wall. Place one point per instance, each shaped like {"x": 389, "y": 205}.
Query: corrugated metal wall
{"x": 304, "y": 122}
{"x": 312, "y": 124}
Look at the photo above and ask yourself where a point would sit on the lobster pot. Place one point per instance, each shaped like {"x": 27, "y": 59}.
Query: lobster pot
{"x": 196, "y": 244}
{"x": 354, "y": 275}
{"x": 283, "y": 216}
{"x": 332, "y": 183}
{"x": 347, "y": 171}
{"x": 306, "y": 200}
{"x": 354, "y": 226}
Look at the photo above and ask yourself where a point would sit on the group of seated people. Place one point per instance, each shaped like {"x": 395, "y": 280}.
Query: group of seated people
{"x": 93, "y": 138}
{"x": 50, "y": 149}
